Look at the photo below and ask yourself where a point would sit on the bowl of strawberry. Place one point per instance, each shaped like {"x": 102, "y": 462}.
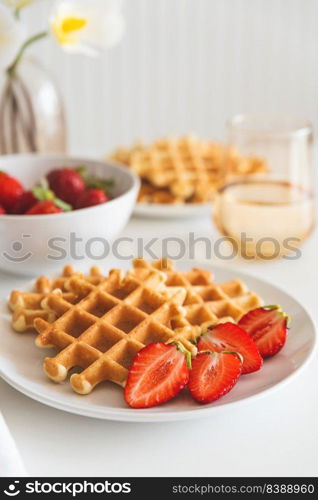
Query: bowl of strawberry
{"x": 50, "y": 204}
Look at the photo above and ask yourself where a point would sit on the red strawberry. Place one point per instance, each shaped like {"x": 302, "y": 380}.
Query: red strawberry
{"x": 158, "y": 373}
{"x": 24, "y": 203}
{"x": 2, "y": 210}
{"x": 92, "y": 197}
{"x": 10, "y": 191}
{"x": 228, "y": 336}
{"x": 67, "y": 184}
{"x": 44, "y": 208}
{"x": 213, "y": 375}
{"x": 267, "y": 326}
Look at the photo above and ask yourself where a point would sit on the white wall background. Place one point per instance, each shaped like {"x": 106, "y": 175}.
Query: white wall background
{"x": 188, "y": 65}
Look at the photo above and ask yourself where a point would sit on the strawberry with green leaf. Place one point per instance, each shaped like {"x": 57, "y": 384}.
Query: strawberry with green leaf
{"x": 43, "y": 194}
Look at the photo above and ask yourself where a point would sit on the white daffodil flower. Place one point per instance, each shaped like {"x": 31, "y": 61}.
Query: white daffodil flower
{"x": 87, "y": 26}
{"x": 18, "y": 4}
{"x": 11, "y": 36}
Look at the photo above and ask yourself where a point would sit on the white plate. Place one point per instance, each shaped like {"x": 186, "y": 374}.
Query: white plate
{"x": 161, "y": 210}
{"x": 21, "y": 367}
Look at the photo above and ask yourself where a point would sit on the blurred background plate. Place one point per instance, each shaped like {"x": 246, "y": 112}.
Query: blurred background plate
{"x": 160, "y": 210}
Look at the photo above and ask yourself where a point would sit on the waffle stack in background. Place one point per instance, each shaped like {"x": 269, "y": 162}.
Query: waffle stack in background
{"x": 99, "y": 323}
{"x": 186, "y": 169}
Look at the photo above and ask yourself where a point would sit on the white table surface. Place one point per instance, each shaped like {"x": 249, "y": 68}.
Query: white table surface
{"x": 273, "y": 436}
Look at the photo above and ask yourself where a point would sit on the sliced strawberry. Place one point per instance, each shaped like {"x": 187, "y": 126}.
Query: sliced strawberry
{"x": 44, "y": 208}
{"x": 158, "y": 373}
{"x": 267, "y": 326}
{"x": 11, "y": 191}
{"x": 228, "y": 336}
{"x": 213, "y": 375}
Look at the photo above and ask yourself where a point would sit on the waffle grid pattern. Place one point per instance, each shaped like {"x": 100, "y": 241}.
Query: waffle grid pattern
{"x": 206, "y": 302}
{"x": 97, "y": 324}
{"x": 27, "y": 306}
{"x": 103, "y": 332}
{"x": 186, "y": 169}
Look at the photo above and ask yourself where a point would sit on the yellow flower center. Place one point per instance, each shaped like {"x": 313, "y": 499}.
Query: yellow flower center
{"x": 71, "y": 24}
{"x": 65, "y": 30}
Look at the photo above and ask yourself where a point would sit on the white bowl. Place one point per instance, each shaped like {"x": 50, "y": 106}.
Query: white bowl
{"x": 36, "y": 244}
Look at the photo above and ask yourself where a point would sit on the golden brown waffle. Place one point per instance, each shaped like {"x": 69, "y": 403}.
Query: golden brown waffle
{"x": 238, "y": 165}
{"x": 153, "y": 194}
{"x": 26, "y": 306}
{"x": 124, "y": 155}
{"x": 154, "y": 303}
{"x": 206, "y": 302}
{"x": 190, "y": 168}
{"x": 103, "y": 332}
{"x": 185, "y": 169}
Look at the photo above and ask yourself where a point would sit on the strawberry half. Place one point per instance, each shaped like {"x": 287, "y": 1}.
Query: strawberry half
{"x": 228, "y": 336}
{"x": 267, "y": 326}
{"x": 158, "y": 373}
{"x": 213, "y": 375}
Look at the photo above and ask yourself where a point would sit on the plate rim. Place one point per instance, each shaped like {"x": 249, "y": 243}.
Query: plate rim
{"x": 150, "y": 416}
{"x": 173, "y": 210}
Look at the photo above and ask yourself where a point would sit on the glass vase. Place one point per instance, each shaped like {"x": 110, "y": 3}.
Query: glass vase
{"x": 32, "y": 116}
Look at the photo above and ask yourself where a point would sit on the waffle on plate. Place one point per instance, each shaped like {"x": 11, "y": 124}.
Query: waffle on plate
{"x": 98, "y": 323}
{"x": 27, "y": 306}
{"x": 185, "y": 169}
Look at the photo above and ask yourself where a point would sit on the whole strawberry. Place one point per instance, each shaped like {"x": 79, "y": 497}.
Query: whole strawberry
{"x": 44, "y": 208}
{"x": 10, "y": 191}
{"x": 91, "y": 197}
{"x": 2, "y": 210}
{"x": 67, "y": 184}
{"x": 24, "y": 203}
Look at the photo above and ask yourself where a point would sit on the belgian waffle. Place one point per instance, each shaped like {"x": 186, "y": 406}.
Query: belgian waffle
{"x": 102, "y": 333}
{"x": 125, "y": 155}
{"x": 185, "y": 169}
{"x": 26, "y": 306}
{"x": 206, "y": 302}
{"x": 152, "y": 194}
{"x": 114, "y": 320}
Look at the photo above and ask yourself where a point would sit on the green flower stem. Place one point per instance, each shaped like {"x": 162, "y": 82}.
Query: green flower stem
{"x": 26, "y": 44}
